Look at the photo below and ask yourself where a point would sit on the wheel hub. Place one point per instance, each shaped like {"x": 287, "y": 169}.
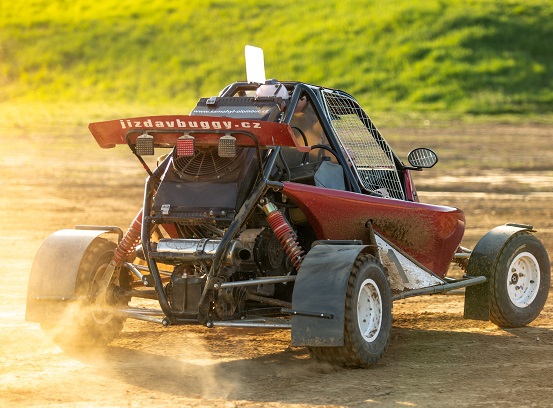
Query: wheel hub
{"x": 369, "y": 310}
{"x": 523, "y": 279}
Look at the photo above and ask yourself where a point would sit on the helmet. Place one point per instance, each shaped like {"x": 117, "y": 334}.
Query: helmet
{"x": 272, "y": 88}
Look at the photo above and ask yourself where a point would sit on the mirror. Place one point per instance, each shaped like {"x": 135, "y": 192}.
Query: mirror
{"x": 422, "y": 158}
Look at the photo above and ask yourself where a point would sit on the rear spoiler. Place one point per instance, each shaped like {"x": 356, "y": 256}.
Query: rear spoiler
{"x": 207, "y": 131}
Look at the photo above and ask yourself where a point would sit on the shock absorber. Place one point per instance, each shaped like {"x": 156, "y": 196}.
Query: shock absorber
{"x": 129, "y": 241}
{"x": 284, "y": 233}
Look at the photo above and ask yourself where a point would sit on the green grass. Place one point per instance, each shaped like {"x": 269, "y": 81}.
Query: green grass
{"x": 458, "y": 57}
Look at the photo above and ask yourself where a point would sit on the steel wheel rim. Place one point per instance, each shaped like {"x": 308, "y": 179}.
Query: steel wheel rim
{"x": 523, "y": 279}
{"x": 369, "y": 310}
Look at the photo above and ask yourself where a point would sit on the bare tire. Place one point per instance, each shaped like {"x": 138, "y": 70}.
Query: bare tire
{"x": 368, "y": 317}
{"x": 84, "y": 322}
{"x": 520, "y": 282}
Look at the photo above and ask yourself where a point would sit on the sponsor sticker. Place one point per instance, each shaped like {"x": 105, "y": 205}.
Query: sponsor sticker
{"x": 188, "y": 124}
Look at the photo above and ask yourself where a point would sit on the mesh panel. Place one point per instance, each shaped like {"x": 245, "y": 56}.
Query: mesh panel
{"x": 367, "y": 150}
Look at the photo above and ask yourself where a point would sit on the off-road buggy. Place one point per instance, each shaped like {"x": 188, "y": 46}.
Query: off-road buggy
{"x": 279, "y": 205}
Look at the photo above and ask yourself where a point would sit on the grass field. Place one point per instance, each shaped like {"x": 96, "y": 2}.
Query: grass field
{"x": 458, "y": 57}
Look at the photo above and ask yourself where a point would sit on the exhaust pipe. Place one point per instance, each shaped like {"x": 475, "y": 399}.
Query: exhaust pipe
{"x": 204, "y": 247}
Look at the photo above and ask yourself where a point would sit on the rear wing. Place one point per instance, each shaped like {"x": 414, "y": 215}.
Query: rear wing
{"x": 207, "y": 131}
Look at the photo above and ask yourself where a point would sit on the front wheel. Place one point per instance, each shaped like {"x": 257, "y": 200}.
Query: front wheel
{"x": 520, "y": 282}
{"x": 368, "y": 317}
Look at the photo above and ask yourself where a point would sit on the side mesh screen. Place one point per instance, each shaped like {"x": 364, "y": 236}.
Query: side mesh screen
{"x": 367, "y": 150}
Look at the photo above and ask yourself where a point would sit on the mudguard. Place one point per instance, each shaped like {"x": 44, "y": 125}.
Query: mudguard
{"x": 54, "y": 272}
{"x": 482, "y": 260}
{"x": 318, "y": 301}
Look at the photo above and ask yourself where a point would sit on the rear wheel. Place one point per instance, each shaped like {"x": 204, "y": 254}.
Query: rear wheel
{"x": 519, "y": 282}
{"x": 86, "y": 321}
{"x": 368, "y": 317}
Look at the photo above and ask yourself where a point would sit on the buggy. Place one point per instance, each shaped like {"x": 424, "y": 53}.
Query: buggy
{"x": 277, "y": 205}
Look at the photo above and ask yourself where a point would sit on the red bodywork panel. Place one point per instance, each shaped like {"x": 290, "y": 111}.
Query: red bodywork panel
{"x": 113, "y": 132}
{"x": 428, "y": 233}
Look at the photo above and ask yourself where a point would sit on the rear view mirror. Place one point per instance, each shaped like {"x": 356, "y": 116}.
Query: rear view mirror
{"x": 422, "y": 158}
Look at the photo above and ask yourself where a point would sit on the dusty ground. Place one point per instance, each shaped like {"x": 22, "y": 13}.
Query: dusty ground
{"x": 53, "y": 178}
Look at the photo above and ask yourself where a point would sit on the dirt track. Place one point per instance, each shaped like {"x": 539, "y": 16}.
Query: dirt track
{"x": 435, "y": 358}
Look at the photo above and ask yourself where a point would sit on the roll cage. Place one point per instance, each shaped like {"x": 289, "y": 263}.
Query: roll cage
{"x": 369, "y": 165}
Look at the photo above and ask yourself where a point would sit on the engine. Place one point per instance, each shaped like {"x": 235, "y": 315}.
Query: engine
{"x": 257, "y": 252}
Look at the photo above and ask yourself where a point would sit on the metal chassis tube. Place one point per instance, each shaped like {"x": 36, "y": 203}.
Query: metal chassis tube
{"x": 254, "y": 282}
{"x": 433, "y": 290}
{"x": 145, "y": 235}
{"x": 262, "y": 324}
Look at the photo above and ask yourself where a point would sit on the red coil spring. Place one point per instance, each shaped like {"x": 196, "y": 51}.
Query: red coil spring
{"x": 287, "y": 237}
{"x": 129, "y": 241}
